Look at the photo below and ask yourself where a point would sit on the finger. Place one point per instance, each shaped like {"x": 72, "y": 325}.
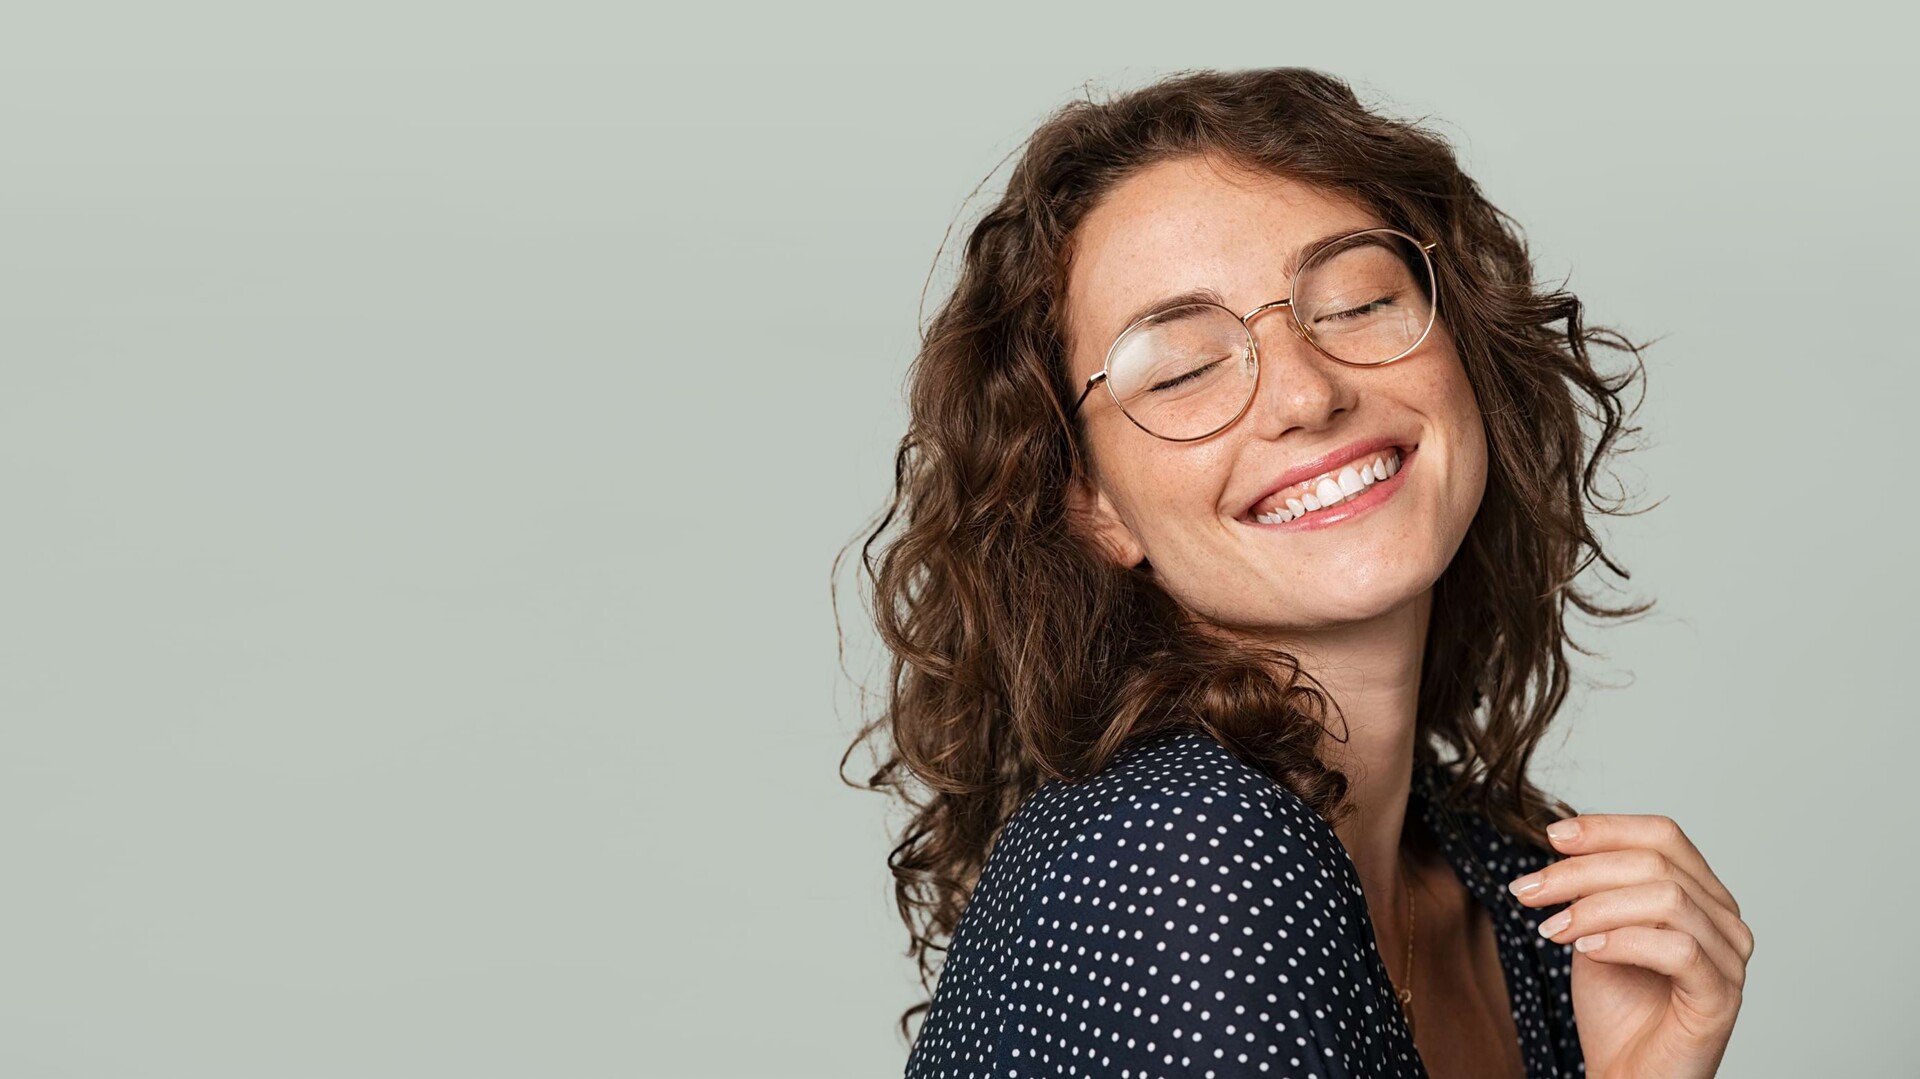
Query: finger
{"x": 1661, "y": 904}
{"x": 1588, "y": 874}
{"x": 1675, "y": 954}
{"x": 1591, "y": 832}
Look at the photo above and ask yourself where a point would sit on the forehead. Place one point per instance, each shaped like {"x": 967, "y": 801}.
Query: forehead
{"x": 1186, "y": 224}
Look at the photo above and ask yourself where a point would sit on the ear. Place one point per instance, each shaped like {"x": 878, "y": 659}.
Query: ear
{"x": 1094, "y": 512}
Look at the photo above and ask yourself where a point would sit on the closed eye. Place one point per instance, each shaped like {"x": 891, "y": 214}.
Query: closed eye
{"x": 1356, "y": 312}
{"x": 1188, "y": 377}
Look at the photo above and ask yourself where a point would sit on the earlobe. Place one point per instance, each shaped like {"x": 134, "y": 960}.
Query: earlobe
{"x": 1091, "y": 508}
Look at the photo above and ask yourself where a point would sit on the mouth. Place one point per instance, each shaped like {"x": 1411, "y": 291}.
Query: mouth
{"x": 1337, "y": 494}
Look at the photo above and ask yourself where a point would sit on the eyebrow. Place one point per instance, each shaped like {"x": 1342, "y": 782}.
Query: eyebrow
{"x": 1289, "y": 270}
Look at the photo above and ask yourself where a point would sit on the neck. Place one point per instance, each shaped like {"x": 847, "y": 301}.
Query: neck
{"x": 1372, "y": 670}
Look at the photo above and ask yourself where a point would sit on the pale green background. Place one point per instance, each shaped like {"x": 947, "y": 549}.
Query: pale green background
{"x": 426, "y": 431}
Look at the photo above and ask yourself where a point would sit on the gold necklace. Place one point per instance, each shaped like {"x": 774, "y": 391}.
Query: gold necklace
{"x": 1405, "y": 993}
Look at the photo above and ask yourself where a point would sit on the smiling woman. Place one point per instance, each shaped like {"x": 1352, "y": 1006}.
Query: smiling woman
{"x": 1221, "y": 642}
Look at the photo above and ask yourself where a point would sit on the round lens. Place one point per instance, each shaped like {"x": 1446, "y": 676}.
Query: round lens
{"x": 1367, "y": 298}
{"x": 1185, "y": 372}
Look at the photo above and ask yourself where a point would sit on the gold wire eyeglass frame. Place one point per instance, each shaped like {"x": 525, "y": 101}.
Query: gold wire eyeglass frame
{"x": 1293, "y": 322}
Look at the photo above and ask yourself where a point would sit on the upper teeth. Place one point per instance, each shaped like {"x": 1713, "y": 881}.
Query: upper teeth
{"x": 1328, "y": 489}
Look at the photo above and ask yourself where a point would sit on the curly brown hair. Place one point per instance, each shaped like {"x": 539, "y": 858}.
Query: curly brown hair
{"x": 1019, "y": 652}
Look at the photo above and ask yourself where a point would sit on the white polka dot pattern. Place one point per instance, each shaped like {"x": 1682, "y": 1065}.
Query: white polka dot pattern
{"x": 1180, "y": 914}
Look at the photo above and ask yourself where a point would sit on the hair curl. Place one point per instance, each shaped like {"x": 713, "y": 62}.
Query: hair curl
{"x": 1019, "y": 652}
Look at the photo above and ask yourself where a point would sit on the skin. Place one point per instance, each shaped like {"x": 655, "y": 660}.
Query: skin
{"x": 1353, "y": 602}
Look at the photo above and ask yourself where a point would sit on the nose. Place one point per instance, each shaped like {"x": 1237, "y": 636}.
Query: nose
{"x": 1299, "y": 386}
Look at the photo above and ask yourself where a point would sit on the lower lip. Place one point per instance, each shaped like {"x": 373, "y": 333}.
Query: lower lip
{"x": 1353, "y": 507}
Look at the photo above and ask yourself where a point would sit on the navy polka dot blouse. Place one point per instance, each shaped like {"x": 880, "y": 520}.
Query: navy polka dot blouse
{"x": 1180, "y": 914}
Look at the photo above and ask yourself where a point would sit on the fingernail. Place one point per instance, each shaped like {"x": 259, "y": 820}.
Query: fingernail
{"x": 1587, "y": 944}
{"x": 1563, "y": 830}
{"x": 1527, "y": 885}
{"x": 1556, "y": 923}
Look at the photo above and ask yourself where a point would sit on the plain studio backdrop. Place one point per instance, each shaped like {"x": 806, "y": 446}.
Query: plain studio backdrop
{"x": 426, "y": 434}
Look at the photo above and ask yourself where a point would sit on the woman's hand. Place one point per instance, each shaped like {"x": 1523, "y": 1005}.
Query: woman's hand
{"x": 1660, "y": 953}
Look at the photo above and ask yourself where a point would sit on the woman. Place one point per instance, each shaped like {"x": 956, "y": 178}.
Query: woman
{"x": 1245, "y": 476}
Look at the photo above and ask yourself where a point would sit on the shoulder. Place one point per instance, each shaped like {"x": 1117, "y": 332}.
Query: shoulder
{"x": 1207, "y": 867}
{"x": 1175, "y": 766}
{"x": 1181, "y": 806}
{"x": 1200, "y": 914}
{"x": 1176, "y": 799}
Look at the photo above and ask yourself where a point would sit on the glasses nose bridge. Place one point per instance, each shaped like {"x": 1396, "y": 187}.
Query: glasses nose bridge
{"x": 1293, "y": 321}
{"x": 1287, "y": 303}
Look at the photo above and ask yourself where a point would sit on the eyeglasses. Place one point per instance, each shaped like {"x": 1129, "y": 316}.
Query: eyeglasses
{"x": 1189, "y": 371}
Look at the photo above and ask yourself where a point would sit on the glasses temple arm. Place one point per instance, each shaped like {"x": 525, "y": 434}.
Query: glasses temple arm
{"x": 1091, "y": 383}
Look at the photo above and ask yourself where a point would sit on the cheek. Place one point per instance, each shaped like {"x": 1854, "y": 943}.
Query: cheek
{"x": 1168, "y": 488}
{"x": 1455, "y": 413}
{"x": 1463, "y": 414}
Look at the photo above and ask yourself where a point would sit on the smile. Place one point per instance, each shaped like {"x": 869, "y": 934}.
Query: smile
{"x": 1335, "y": 495}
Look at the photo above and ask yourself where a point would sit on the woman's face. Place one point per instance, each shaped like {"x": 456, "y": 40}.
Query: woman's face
{"x": 1184, "y": 506}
